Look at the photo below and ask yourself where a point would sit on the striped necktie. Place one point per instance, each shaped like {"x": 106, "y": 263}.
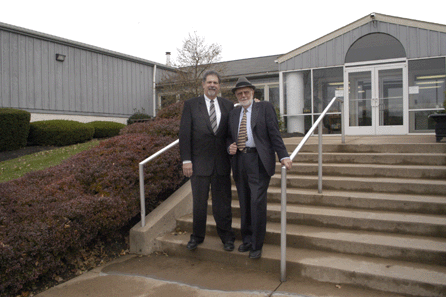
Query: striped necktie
{"x": 242, "y": 133}
{"x": 213, "y": 117}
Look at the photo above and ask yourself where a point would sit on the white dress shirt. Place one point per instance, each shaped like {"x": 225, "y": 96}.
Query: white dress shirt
{"x": 217, "y": 108}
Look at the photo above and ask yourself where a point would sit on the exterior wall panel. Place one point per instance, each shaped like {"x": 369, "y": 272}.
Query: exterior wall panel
{"x": 91, "y": 81}
{"x": 417, "y": 42}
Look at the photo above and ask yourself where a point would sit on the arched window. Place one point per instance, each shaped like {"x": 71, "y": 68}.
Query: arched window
{"x": 375, "y": 46}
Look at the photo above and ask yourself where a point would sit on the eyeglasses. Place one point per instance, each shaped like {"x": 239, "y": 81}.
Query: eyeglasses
{"x": 246, "y": 93}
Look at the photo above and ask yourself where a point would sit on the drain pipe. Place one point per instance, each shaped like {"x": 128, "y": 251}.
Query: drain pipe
{"x": 154, "y": 91}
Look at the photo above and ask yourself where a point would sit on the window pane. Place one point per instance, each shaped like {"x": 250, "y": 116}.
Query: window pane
{"x": 390, "y": 97}
{"x": 359, "y": 99}
{"x": 420, "y": 121}
{"x": 259, "y": 93}
{"x": 274, "y": 96}
{"x": 325, "y": 84}
{"x": 331, "y": 124}
{"x": 428, "y": 76}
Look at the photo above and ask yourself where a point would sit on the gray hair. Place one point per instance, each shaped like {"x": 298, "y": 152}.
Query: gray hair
{"x": 211, "y": 72}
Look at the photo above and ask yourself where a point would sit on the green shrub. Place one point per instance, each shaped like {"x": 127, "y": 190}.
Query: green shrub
{"x": 105, "y": 129}
{"x": 48, "y": 216}
{"x": 59, "y": 132}
{"x": 137, "y": 116}
{"x": 14, "y": 128}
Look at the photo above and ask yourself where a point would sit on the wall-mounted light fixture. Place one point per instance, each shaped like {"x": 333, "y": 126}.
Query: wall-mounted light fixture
{"x": 60, "y": 57}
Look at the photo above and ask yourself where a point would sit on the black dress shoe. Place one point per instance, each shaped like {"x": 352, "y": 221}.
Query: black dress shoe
{"x": 255, "y": 254}
{"x": 229, "y": 246}
{"x": 192, "y": 244}
{"x": 244, "y": 247}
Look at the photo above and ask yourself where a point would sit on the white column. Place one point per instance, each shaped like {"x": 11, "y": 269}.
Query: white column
{"x": 295, "y": 101}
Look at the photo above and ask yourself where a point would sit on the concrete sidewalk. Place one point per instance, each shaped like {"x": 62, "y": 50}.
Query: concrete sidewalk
{"x": 162, "y": 275}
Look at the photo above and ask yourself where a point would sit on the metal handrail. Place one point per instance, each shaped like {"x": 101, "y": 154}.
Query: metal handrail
{"x": 283, "y": 199}
{"x": 141, "y": 179}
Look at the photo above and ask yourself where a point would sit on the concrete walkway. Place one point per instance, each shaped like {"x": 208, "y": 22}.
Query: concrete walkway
{"x": 162, "y": 275}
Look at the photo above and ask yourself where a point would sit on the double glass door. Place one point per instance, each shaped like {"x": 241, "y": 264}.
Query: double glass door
{"x": 376, "y": 99}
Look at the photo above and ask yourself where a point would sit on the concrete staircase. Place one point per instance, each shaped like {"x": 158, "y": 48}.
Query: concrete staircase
{"x": 380, "y": 222}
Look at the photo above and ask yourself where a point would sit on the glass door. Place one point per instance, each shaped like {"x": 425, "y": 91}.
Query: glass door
{"x": 376, "y": 100}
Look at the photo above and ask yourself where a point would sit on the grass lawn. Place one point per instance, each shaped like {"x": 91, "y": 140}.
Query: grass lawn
{"x": 18, "y": 167}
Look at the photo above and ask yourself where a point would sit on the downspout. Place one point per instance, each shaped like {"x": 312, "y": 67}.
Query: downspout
{"x": 154, "y": 91}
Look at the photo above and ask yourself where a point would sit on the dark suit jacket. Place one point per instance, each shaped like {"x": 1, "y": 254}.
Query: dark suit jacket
{"x": 266, "y": 134}
{"x": 198, "y": 142}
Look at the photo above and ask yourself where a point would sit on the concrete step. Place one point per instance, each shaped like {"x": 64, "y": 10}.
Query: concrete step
{"x": 409, "y": 278}
{"x": 420, "y": 249}
{"x": 356, "y": 219}
{"x": 360, "y": 200}
{"x": 396, "y": 148}
{"x": 424, "y": 159}
{"x": 369, "y": 170}
{"x": 365, "y": 184}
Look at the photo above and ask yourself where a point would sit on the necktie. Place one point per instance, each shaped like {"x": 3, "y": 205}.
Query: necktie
{"x": 213, "y": 117}
{"x": 242, "y": 133}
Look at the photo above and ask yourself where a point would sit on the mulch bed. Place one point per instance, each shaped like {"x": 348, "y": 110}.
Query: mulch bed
{"x": 8, "y": 155}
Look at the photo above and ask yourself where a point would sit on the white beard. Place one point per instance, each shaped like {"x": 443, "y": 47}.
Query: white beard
{"x": 246, "y": 103}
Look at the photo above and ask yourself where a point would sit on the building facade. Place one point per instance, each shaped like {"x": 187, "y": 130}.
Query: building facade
{"x": 390, "y": 72}
{"x": 55, "y": 78}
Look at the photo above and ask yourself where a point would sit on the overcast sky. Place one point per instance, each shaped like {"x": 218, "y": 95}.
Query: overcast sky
{"x": 244, "y": 29}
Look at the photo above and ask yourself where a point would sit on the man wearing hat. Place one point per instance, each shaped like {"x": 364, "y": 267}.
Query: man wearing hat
{"x": 253, "y": 140}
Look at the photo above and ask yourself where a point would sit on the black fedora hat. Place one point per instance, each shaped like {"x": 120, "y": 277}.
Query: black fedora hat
{"x": 242, "y": 82}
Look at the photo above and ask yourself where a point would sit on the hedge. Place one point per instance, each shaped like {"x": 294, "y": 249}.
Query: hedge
{"x": 48, "y": 215}
{"x": 14, "y": 128}
{"x": 105, "y": 129}
{"x": 59, "y": 132}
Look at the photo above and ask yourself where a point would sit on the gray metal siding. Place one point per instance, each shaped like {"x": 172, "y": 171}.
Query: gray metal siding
{"x": 87, "y": 82}
{"x": 418, "y": 43}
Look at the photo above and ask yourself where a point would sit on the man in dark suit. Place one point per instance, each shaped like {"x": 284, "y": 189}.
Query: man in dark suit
{"x": 203, "y": 135}
{"x": 254, "y": 138}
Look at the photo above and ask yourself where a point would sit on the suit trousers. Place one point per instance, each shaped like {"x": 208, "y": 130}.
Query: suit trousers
{"x": 252, "y": 186}
{"x": 220, "y": 186}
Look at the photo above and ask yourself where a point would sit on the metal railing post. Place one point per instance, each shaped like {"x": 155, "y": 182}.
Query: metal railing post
{"x": 283, "y": 198}
{"x": 283, "y": 227}
{"x": 319, "y": 159}
{"x": 142, "y": 195}
{"x": 342, "y": 119}
{"x": 141, "y": 179}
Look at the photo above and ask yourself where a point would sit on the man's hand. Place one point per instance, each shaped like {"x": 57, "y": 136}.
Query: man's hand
{"x": 187, "y": 169}
{"x": 287, "y": 163}
{"x": 233, "y": 148}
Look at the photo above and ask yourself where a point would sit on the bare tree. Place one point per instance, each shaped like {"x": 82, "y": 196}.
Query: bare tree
{"x": 195, "y": 57}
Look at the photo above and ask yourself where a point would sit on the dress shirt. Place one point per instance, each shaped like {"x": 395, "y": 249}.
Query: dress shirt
{"x": 217, "y": 108}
